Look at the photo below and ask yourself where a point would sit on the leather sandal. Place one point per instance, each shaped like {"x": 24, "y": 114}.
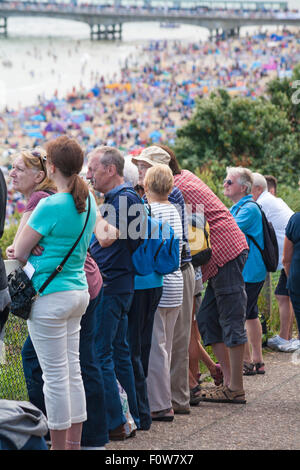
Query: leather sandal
{"x": 195, "y": 395}
{"x": 163, "y": 415}
{"x": 223, "y": 394}
{"x": 249, "y": 368}
{"x": 260, "y": 367}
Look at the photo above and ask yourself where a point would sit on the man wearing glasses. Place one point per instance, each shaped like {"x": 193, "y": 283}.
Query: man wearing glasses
{"x": 238, "y": 187}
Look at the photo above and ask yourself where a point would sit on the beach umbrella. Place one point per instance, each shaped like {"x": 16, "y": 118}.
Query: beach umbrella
{"x": 88, "y": 130}
{"x": 155, "y": 136}
{"x": 256, "y": 65}
{"x": 36, "y": 134}
{"x": 37, "y": 117}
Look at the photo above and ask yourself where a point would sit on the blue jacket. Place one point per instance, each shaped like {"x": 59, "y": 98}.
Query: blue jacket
{"x": 249, "y": 220}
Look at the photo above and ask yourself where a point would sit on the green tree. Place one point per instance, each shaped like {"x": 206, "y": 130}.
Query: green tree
{"x": 225, "y": 131}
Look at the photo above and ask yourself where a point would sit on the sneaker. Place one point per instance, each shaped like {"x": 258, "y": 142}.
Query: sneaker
{"x": 277, "y": 341}
{"x": 292, "y": 346}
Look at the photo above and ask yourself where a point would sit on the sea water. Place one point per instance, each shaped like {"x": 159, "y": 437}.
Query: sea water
{"x": 43, "y": 56}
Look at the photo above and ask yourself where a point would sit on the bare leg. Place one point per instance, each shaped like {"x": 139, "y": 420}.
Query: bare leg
{"x": 74, "y": 437}
{"x": 286, "y": 316}
{"x": 254, "y": 332}
{"x": 221, "y": 352}
{"x": 247, "y": 353}
{"x": 236, "y": 355}
{"x": 58, "y": 439}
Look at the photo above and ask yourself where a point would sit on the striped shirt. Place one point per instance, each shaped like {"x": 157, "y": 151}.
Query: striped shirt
{"x": 227, "y": 240}
{"x": 173, "y": 283}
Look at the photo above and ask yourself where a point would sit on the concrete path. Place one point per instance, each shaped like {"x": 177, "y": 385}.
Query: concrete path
{"x": 269, "y": 421}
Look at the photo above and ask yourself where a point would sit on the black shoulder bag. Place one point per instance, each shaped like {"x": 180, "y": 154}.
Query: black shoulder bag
{"x": 21, "y": 289}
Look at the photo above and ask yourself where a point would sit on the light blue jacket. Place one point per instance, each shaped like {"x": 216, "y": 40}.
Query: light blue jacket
{"x": 249, "y": 219}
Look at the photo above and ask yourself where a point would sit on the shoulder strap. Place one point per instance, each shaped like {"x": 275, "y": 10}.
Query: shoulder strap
{"x": 250, "y": 236}
{"x": 246, "y": 202}
{"x": 59, "y": 268}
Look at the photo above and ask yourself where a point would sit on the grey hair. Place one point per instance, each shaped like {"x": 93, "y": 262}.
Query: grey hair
{"x": 131, "y": 172}
{"x": 260, "y": 180}
{"x": 110, "y": 156}
{"x": 245, "y": 177}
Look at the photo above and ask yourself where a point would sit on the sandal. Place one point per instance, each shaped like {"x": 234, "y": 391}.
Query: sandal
{"x": 223, "y": 394}
{"x": 249, "y": 368}
{"x": 163, "y": 415}
{"x": 195, "y": 395}
{"x": 218, "y": 376}
{"x": 260, "y": 367}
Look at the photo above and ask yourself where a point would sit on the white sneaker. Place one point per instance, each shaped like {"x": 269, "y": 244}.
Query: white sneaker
{"x": 277, "y": 341}
{"x": 292, "y": 346}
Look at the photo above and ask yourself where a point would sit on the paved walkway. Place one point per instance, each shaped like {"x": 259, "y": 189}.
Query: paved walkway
{"x": 269, "y": 421}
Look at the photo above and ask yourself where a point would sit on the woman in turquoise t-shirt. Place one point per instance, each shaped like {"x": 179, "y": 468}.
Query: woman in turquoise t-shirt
{"x": 54, "y": 322}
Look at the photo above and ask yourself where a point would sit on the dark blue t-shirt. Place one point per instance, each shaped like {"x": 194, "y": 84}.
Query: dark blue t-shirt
{"x": 292, "y": 232}
{"x": 115, "y": 261}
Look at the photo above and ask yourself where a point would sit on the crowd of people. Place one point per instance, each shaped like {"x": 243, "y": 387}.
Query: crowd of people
{"x": 101, "y": 335}
{"x": 154, "y": 94}
{"x": 100, "y": 331}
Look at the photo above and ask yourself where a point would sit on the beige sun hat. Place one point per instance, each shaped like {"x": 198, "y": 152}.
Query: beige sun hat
{"x": 153, "y": 155}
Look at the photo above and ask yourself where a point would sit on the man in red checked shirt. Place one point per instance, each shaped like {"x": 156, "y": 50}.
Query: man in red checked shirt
{"x": 222, "y": 315}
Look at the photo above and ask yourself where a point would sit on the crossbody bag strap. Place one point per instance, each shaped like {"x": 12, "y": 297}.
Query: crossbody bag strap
{"x": 59, "y": 268}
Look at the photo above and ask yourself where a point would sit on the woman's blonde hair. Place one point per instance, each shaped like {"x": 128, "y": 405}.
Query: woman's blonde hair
{"x": 36, "y": 159}
{"x": 159, "y": 179}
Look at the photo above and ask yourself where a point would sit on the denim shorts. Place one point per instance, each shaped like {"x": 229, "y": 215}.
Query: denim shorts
{"x": 222, "y": 314}
{"x": 281, "y": 285}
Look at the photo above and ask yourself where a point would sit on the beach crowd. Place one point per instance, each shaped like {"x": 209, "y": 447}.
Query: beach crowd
{"x": 154, "y": 94}
{"x": 110, "y": 351}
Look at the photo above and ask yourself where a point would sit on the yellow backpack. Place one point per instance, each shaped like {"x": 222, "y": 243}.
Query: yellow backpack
{"x": 199, "y": 239}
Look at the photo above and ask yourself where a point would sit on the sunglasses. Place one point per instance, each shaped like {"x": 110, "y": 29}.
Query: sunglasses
{"x": 42, "y": 159}
{"x": 229, "y": 182}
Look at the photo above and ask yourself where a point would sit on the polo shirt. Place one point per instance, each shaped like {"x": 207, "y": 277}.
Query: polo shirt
{"x": 115, "y": 261}
{"x": 249, "y": 220}
{"x": 278, "y": 213}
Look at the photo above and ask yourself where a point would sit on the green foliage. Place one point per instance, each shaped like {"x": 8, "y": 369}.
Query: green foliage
{"x": 281, "y": 92}
{"x": 9, "y": 233}
{"x": 259, "y": 134}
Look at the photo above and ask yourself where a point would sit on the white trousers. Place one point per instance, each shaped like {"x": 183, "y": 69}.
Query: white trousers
{"x": 54, "y": 327}
{"x": 159, "y": 380}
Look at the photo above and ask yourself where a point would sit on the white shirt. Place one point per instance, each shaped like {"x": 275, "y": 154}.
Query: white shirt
{"x": 172, "y": 293}
{"x": 278, "y": 213}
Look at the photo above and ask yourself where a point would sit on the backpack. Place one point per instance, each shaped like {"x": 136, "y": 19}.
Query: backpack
{"x": 270, "y": 254}
{"x": 199, "y": 239}
{"x": 158, "y": 249}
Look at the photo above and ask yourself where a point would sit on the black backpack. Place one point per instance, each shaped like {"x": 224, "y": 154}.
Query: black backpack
{"x": 270, "y": 253}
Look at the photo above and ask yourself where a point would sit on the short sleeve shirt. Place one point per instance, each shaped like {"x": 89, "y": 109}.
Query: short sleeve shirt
{"x": 248, "y": 217}
{"x": 293, "y": 234}
{"x": 59, "y": 223}
{"x": 227, "y": 240}
{"x": 172, "y": 293}
{"x": 115, "y": 261}
{"x": 91, "y": 269}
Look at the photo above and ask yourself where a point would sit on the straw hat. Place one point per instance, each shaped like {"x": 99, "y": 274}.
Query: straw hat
{"x": 153, "y": 155}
